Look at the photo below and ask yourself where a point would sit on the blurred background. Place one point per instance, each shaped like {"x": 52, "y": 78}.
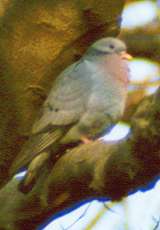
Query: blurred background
{"x": 141, "y": 210}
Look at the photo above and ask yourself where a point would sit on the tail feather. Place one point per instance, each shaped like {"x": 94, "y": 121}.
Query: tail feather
{"x": 34, "y": 146}
{"x": 33, "y": 172}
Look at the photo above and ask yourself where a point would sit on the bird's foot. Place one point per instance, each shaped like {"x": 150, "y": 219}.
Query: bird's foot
{"x": 38, "y": 90}
{"x": 86, "y": 140}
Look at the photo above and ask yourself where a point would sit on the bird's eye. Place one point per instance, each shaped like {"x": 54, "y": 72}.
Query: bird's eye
{"x": 111, "y": 46}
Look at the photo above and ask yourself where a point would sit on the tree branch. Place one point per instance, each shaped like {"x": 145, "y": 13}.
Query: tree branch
{"x": 144, "y": 42}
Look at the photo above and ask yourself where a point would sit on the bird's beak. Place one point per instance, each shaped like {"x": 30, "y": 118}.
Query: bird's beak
{"x": 126, "y": 56}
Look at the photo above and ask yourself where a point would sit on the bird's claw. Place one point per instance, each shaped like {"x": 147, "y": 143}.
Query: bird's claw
{"x": 86, "y": 140}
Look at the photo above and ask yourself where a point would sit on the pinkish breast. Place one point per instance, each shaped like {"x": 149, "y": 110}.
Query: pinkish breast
{"x": 117, "y": 68}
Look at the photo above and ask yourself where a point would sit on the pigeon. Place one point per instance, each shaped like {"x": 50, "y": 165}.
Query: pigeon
{"x": 86, "y": 98}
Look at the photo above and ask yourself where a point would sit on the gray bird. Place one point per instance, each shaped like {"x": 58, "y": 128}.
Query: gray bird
{"x": 85, "y": 99}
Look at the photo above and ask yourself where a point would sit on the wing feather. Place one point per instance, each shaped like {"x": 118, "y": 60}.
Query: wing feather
{"x": 67, "y": 100}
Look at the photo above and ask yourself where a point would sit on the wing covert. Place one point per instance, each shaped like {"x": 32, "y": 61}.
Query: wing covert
{"x": 67, "y": 99}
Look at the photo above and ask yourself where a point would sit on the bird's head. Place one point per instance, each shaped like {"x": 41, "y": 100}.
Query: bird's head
{"x": 107, "y": 46}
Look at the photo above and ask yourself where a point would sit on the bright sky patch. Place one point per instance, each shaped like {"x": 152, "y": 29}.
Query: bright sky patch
{"x": 138, "y": 14}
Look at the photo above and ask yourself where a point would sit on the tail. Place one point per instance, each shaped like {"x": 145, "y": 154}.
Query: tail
{"x": 34, "y": 147}
{"x": 33, "y": 172}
